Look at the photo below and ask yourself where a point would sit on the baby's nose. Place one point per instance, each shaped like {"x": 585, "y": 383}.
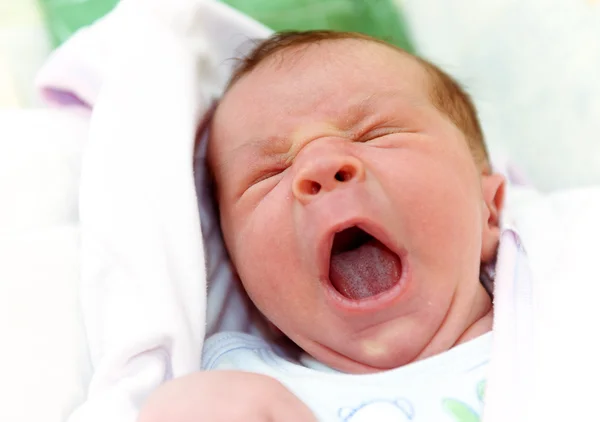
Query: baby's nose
{"x": 324, "y": 173}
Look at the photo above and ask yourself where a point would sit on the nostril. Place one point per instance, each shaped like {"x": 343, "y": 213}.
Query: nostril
{"x": 345, "y": 174}
{"x": 310, "y": 187}
{"x": 314, "y": 188}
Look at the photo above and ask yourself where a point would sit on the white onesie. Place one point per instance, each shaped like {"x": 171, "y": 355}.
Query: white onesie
{"x": 446, "y": 387}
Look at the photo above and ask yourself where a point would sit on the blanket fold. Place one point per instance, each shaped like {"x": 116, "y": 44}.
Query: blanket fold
{"x": 143, "y": 264}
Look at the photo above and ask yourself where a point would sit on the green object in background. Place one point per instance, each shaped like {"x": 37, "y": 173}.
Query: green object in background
{"x": 64, "y": 17}
{"x": 379, "y": 18}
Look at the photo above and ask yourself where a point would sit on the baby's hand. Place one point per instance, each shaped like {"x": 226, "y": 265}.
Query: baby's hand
{"x": 224, "y": 396}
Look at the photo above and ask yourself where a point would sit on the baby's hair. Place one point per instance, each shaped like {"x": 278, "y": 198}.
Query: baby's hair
{"x": 446, "y": 94}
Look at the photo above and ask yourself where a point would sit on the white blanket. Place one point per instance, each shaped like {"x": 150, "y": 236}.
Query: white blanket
{"x": 545, "y": 354}
{"x": 144, "y": 270}
{"x": 158, "y": 68}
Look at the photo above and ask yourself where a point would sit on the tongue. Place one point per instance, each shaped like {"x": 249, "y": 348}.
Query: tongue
{"x": 365, "y": 271}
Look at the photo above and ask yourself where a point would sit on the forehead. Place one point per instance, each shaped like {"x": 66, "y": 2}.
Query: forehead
{"x": 329, "y": 67}
{"x": 333, "y": 81}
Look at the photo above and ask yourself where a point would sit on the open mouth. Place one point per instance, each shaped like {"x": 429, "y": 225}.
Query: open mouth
{"x": 361, "y": 266}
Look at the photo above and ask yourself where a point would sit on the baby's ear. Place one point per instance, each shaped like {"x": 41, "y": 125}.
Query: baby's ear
{"x": 492, "y": 186}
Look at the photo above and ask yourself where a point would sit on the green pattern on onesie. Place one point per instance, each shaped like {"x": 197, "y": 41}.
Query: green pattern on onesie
{"x": 461, "y": 411}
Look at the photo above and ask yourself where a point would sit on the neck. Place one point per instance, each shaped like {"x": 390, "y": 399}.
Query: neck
{"x": 472, "y": 319}
{"x": 482, "y": 318}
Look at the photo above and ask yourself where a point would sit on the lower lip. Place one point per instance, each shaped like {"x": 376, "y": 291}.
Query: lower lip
{"x": 371, "y": 304}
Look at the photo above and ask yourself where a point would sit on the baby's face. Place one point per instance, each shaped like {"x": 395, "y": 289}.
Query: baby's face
{"x": 351, "y": 207}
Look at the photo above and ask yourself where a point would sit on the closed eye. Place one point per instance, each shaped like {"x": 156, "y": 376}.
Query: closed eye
{"x": 265, "y": 175}
{"x": 381, "y": 132}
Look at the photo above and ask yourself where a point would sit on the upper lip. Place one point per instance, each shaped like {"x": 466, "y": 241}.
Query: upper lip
{"x": 369, "y": 226}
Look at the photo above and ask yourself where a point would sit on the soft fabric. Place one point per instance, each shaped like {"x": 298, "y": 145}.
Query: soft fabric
{"x": 144, "y": 272}
{"x": 64, "y": 17}
{"x": 40, "y": 163}
{"x": 73, "y": 74}
{"x": 532, "y": 67}
{"x": 446, "y": 387}
{"x": 544, "y": 334}
{"x": 45, "y": 363}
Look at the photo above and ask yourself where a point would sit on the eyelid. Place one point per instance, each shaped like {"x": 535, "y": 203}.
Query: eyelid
{"x": 266, "y": 174}
{"x": 383, "y": 131}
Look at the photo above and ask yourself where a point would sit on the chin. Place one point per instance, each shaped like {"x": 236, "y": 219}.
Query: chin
{"x": 366, "y": 355}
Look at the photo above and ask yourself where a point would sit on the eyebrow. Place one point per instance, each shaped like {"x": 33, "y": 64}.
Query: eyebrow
{"x": 364, "y": 108}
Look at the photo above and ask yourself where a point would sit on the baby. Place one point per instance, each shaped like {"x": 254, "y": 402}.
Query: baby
{"x": 357, "y": 205}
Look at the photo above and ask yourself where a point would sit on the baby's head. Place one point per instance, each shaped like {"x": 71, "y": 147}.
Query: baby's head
{"x": 356, "y": 199}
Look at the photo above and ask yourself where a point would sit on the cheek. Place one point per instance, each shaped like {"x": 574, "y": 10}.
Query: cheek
{"x": 261, "y": 244}
{"x": 439, "y": 212}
